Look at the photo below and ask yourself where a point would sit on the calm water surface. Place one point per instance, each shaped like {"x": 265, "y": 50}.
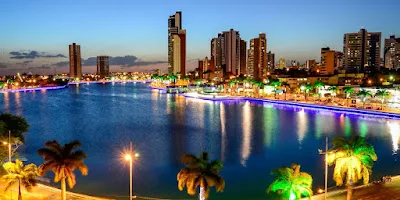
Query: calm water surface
{"x": 250, "y": 138}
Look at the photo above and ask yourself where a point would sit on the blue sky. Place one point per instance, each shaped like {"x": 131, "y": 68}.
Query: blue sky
{"x": 295, "y": 29}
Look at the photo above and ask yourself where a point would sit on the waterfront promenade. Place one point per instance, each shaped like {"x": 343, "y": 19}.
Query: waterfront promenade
{"x": 42, "y": 192}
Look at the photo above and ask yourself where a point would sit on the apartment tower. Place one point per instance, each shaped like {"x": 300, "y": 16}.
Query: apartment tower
{"x": 103, "y": 66}
{"x": 75, "y": 66}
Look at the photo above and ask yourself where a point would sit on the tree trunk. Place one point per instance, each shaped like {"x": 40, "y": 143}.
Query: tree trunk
{"x": 19, "y": 190}
{"x": 63, "y": 189}
{"x": 349, "y": 193}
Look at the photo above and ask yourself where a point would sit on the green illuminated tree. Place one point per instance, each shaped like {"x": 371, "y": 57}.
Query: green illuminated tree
{"x": 348, "y": 91}
{"x": 275, "y": 83}
{"x": 334, "y": 90}
{"x": 364, "y": 94}
{"x": 318, "y": 85}
{"x": 382, "y": 94}
{"x": 291, "y": 183}
{"x": 200, "y": 172}
{"x": 24, "y": 176}
{"x": 285, "y": 84}
{"x": 353, "y": 160}
{"x": 63, "y": 160}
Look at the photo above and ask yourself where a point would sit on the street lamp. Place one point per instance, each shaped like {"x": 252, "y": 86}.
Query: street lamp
{"x": 9, "y": 145}
{"x": 129, "y": 157}
{"x": 326, "y": 165}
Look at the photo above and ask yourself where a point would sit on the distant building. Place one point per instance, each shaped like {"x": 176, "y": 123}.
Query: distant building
{"x": 327, "y": 61}
{"x": 362, "y": 51}
{"x": 392, "y": 53}
{"x": 281, "y": 64}
{"x": 103, "y": 66}
{"x": 270, "y": 61}
{"x": 75, "y": 65}
{"x": 201, "y": 68}
{"x": 339, "y": 58}
{"x": 176, "y": 44}
{"x": 257, "y": 60}
{"x": 179, "y": 52}
{"x": 310, "y": 64}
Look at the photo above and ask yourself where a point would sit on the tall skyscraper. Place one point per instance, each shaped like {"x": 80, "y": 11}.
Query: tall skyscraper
{"x": 271, "y": 61}
{"x": 103, "y": 66}
{"x": 243, "y": 57}
{"x": 257, "y": 64}
{"x": 362, "y": 51}
{"x": 179, "y": 52}
{"x": 175, "y": 32}
{"x": 327, "y": 61}
{"x": 75, "y": 67}
{"x": 226, "y": 51}
{"x": 392, "y": 52}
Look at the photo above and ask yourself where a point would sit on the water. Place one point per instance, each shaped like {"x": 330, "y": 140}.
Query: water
{"x": 250, "y": 138}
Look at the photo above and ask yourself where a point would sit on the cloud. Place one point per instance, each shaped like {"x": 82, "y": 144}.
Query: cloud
{"x": 41, "y": 67}
{"x": 33, "y": 55}
{"x": 25, "y": 62}
{"x": 123, "y": 61}
{"x": 3, "y": 66}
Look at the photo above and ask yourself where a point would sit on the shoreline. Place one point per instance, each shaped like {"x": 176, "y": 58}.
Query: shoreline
{"x": 33, "y": 89}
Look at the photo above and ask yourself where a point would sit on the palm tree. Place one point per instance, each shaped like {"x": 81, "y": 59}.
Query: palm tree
{"x": 63, "y": 160}
{"x": 364, "y": 94}
{"x": 200, "y": 172}
{"x": 19, "y": 174}
{"x": 317, "y": 85}
{"x": 348, "y": 91}
{"x": 353, "y": 160}
{"x": 285, "y": 84}
{"x": 382, "y": 94}
{"x": 172, "y": 78}
{"x": 291, "y": 183}
{"x": 306, "y": 89}
{"x": 334, "y": 90}
{"x": 275, "y": 83}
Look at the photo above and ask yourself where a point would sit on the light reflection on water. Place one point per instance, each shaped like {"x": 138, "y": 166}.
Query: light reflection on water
{"x": 250, "y": 138}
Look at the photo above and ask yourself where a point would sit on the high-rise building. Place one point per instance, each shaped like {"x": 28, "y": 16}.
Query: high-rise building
{"x": 225, "y": 49}
{"x": 392, "y": 52}
{"x": 362, "y": 51}
{"x": 75, "y": 67}
{"x": 271, "y": 61}
{"x": 310, "y": 64}
{"x": 243, "y": 57}
{"x": 338, "y": 60}
{"x": 201, "y": 68}
{"x": 281, "y": 64}
{"x": 175, "y": 32}
{"x": 179, "y": 52}
{"x": 103, "y": 66}
{"x": 257, "y": 64}
{"x": 327, "y": 61}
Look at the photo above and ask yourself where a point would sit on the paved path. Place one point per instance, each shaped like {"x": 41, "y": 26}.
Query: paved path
{"x": 386, "y": 191}
{"x": 42, "y": 192}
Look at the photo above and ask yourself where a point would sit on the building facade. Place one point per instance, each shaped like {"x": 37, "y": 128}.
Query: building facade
{"x": 257, "y": 64}
{"x": 243, "y": 57}
{"x": 362, "y": 51}
{"x": 327, "y": 61}
{"x": 103, "y": 66}
{"x": 281, "y": 64}
{"x": 75, "y": 65}
{"x": 310, "y": 64}
{"x": 392, "y": 52}
{"x": 270, "y": 61}
{"x": 175, "y": 31}
{"x": 179, "y": 53}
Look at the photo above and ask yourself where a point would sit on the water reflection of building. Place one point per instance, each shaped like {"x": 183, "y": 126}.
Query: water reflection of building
{"x": 222, "y": 117}
{"x": 246, "y": 140}
{"x": 301, "y": 125}
{"x": 177, "y": 129}
{"x": 394, "y": 129}
{"x": 271, "y": 121}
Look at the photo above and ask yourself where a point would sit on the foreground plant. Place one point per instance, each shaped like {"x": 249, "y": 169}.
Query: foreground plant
{"x": 21, "y": 175}
{"x": 291, "y": 183}
{"x": 63, "y": 160}
{"x": 199, "y": 172}
{"x": 353, "y": 160}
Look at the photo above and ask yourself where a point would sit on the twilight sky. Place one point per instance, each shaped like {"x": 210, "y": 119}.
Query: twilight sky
{"x": 296, "y": 29}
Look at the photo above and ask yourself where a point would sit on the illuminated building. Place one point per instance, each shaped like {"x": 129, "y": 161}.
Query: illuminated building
{"x": 174, "y": 28}
{"x": 392, "y": 53}
{"x": 257, "y": 61}
{"x": 362, "y": 51}
{"x": 75, "y": 67}
{"x": 179, "y": 53}
{"x": 327, "y": 61}
{"x": 271, "y": 61}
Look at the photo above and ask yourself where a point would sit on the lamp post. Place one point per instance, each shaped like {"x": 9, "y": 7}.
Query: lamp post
{"x": 326, "y": 165}
{"x": 129, "y": 158}
{"x": 9, "y": 145}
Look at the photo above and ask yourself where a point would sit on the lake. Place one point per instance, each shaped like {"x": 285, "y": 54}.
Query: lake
{"x": 250, "y": 138}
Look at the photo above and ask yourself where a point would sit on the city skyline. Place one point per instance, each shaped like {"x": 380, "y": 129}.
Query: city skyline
{"x": 291, "y": 33}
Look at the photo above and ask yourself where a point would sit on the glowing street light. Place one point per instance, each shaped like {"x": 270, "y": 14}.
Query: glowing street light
{"x": 129, "y": 157}
{"x": 9, "y": 145}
